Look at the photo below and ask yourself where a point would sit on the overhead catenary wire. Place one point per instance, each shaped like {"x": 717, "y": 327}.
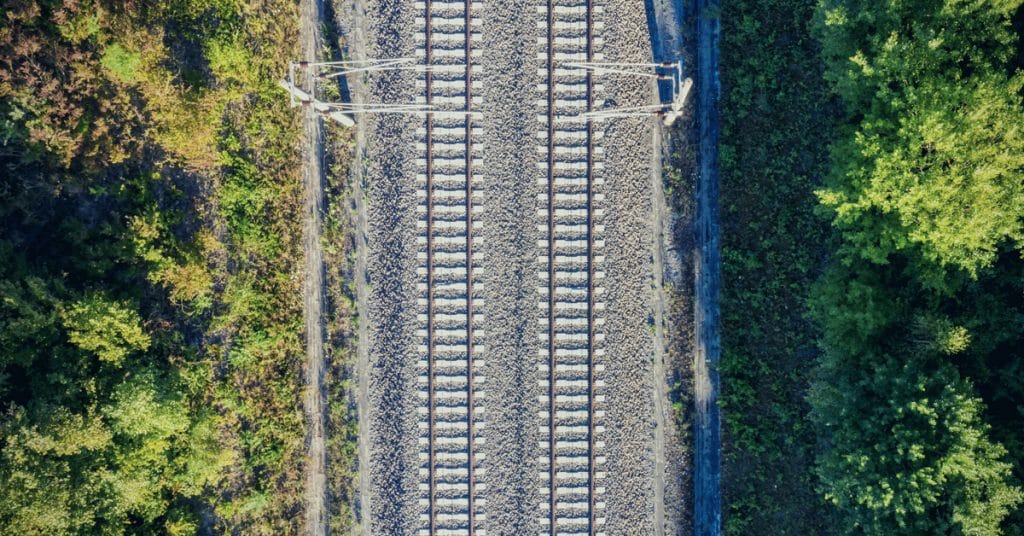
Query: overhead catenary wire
{"x": 336, "y": 69}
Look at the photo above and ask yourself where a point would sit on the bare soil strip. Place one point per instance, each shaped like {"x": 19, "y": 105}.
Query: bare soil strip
{"x": 349, "y": 19}
{"x": 707, "y": 453}
{"x": 313, "y": 286}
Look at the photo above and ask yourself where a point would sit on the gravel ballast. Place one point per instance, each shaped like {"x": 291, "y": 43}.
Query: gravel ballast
{"x": 628, "y": 234}
{"x": 511, "y": 253}
{"x": 510, "y": 483}
{"x": 391, "y": 272}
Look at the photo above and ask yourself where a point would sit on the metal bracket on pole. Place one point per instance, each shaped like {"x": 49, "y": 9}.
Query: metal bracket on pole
{"x": 299, "y": 96}
{"x": 344, "y": 112}
{"x": 667, "y": 71}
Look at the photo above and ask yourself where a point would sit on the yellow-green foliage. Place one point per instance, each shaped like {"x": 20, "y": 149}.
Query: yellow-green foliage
{"x": 120, "y": 62}
{"x": 108, "y": 329}
{"x": 150, "y": 320}
{"x": 935, "y": 166}
{"x": 916, "y": 392}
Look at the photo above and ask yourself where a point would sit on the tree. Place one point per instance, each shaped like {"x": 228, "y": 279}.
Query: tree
{"x": 133, "y": 262}
{"x": 109, "y": 329}
{"x": 933, "y": 160}
{"x": 131, "y": 463}
{"x": 906, "y": 449}
{"x": 50, "y": 480}
{"x": 926, "y": 195}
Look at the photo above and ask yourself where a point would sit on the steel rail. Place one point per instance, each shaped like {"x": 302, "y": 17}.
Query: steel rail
{"x": 591, "y": 309}
{"x": 552, "y": 362}
{"x": 431, "y": 365}
{"x": 469, "y": 259}
{"x": 431, "y": 458}
{"x": 591, "y": 380}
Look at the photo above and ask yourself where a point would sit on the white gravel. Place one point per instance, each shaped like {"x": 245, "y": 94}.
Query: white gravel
{"x": 509, "y": 256}
{"x": 392, "y": 277}
{"x": 511, "y": 239}
{"x": 629, "y": 436}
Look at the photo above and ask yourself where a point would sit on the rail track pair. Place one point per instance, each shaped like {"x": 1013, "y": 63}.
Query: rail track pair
{"x": 451, "y": 199}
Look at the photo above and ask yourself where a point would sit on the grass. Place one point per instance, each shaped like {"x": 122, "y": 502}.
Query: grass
{"x": 775, "y": 131}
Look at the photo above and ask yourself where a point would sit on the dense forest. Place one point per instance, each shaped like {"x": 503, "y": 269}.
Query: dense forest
{"x": 918, "y": 394}
{"x": 873, "y": 206}
{"x": 150, "y": 322}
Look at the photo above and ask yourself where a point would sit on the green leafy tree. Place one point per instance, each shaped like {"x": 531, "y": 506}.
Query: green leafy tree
{"x": 133, "y": 462}
{"x": 148, "y": 249}
{"x": 933, "y": 161}
{"x": 907, "y": 449}
{"x": 926, "y": 194}
{"x": 111, "y": 330}
{"x": 28, "y": 321}
{"x": 120, "y": 62}
{"x": 909, "y": 453}
{"x": 50, "y": 484}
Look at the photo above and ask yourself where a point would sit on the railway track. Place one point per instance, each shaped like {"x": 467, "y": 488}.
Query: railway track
{"x": 570, "y": 272}
{"x": 449, "y": 195}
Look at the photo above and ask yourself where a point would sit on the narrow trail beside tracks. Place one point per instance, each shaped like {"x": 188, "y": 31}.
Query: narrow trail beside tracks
{"x": 313, "y": 286}
{"x": 350, "y": 19}
{"x": 707, "y": 271}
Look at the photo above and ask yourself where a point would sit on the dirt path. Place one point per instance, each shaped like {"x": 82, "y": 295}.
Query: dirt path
{"x": 350, "y": 20}
{"x": 356, "y": 49}
{"x": 313, "y": 286}
{"x": 661, "y": 413}
{"x": 665, "y": 23}
{"x": 707, "y": 426}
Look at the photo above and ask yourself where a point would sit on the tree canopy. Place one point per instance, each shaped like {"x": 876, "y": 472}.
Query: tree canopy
{"x": 932, "y": 163}
{"x": 147, "y": 235}
{"x": 918, "y": 308}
